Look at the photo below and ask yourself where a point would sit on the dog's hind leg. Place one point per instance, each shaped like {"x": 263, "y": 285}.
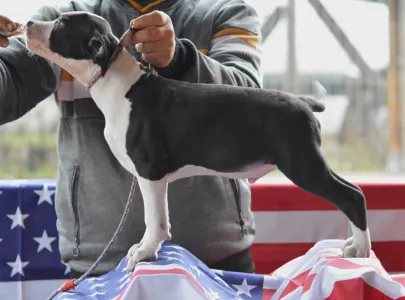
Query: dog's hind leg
{"x": 309, "y": 170}
{"x": 349, "y": 241}
{"x": 154, "y": 194}
{"x": 346, "y": 182}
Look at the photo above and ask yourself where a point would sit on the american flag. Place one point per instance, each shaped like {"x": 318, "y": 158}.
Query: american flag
{"x": 31, "y": 268}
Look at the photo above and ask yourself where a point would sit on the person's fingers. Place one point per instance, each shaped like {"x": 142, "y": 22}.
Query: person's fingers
{"x": 160, "y": 59}
{"x": 149, "y": 34}
{"x": 146, "y": 47}
{"x": 6, "y": 24}
{"x": 155, "y": 18}
{"x": 4, "y": 42}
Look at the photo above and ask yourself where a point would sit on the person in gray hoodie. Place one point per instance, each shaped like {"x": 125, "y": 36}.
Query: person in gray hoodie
{"x": 208, "y": 41}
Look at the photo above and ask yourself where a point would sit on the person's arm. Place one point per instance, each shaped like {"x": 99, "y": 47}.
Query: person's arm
{"x": 234, "y": 57}
{"x": 25, "y": 79}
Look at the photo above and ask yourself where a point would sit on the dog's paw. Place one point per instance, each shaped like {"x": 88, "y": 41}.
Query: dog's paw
{"x": 348, "y": 242}
{"x": 147, "y": 249}
{"x": 141, "y": 252}
{"x": 353, "y": 250}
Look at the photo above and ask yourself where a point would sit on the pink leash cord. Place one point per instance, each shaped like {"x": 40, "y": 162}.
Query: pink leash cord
{"x": 72, "y": 283}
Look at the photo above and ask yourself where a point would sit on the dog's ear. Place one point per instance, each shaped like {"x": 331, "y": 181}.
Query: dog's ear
{"x": 96, "y": 47}
{"x": 101, "y": 47}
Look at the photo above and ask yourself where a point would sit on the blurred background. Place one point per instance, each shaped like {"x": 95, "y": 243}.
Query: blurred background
{"x": 348, "y": 52}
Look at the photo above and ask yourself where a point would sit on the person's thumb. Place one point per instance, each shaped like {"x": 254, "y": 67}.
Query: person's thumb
{"x": 6, "y": 25}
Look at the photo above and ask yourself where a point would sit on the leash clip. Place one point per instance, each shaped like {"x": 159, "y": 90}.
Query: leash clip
{"x": 146, "y": 66}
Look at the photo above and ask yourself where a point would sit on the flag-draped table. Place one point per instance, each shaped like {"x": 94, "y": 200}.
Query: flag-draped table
{"x": 289, "y": 222}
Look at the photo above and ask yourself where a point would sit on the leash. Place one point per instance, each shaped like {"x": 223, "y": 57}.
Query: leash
{"x": 71, "y": 284}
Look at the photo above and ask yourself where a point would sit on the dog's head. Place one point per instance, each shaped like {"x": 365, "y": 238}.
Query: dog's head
{"x": 78, "y": 42}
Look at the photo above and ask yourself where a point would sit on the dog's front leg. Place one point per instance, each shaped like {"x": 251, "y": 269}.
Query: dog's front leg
{"x": 157, "y": 223}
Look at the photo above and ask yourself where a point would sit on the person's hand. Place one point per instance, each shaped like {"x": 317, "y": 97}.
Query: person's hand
{"x": 155, "y": 39}
{"x": 6, "y": 25}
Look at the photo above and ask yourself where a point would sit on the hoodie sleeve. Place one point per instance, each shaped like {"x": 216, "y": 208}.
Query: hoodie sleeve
{"x": 25, "y": 79}
{"x": 234, "y": 56}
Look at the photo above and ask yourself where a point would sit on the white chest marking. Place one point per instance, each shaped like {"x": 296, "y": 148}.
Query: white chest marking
{"x": 116, "y": 127}
{"x": 109, "y": 95}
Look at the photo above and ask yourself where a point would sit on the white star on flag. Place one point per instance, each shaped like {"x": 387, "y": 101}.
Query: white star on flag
{"x": 143, "y": 263}
{"x": 18, "y": 218}
{"x": 67, "y": 270}
{"x": 91, "y": 279}
{"x": 97, "y": 285}
{"x": 199, "y": 273}
{"x": 44, "y": 195}
{"x": 214, "y": 295}
{"x": 221, "y": 280}
{"x": 172, "y": 253}
{"x": 18, "y": 266}
{"x": 94, "y": 295}
{"x": 125, "y": 277}
{"x": 44, "y": 242}
{"x": 170, "y": 258}
{"x": 175, "y": 247}
{"x": 124, "y": 284}
{"x": 244, "y": 288}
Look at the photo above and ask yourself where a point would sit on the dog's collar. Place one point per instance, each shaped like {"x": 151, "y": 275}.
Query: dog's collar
{"x": 144, "y": 66}
{"x": 99, "y": 74}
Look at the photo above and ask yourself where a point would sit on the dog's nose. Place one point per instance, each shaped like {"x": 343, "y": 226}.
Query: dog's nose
{"x": 29, "y": 23}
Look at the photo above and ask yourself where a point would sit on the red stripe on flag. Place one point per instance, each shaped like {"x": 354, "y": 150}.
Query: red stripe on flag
{"x": 269, "y": 257}
{"x": 268, "y": 294}
{"x": 288, "y": 197}
{"x": 400, "y": 279}
{"x": 356, "y": 289}
{"x": 308, "y": 283}
{"x": 174, "y": 271}
{"x": 345, "y": 264}
{"x": 295, "y": 283}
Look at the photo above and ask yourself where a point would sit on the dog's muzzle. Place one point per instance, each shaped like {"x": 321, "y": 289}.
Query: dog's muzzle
{"x": 39, "y": 31}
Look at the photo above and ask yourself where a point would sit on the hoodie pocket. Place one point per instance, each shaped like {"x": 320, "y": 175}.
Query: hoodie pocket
{"x": 73, "y": 197}
{"x": 236, "y": 192}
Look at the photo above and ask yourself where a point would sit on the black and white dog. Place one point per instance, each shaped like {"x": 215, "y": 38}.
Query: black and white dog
{"x": 161, "y": 130}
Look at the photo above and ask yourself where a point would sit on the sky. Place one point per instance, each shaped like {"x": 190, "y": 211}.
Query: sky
{"x": 366, "y": 24}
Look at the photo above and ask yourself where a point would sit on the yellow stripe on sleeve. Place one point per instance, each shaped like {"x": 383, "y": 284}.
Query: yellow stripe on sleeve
{"x": 244, "y": 35}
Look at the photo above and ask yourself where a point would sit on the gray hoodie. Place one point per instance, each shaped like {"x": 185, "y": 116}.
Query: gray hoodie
{"x": 210, "y": 216}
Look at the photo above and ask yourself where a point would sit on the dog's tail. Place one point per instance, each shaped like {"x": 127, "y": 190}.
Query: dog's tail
{"x": 315, "y": 105}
